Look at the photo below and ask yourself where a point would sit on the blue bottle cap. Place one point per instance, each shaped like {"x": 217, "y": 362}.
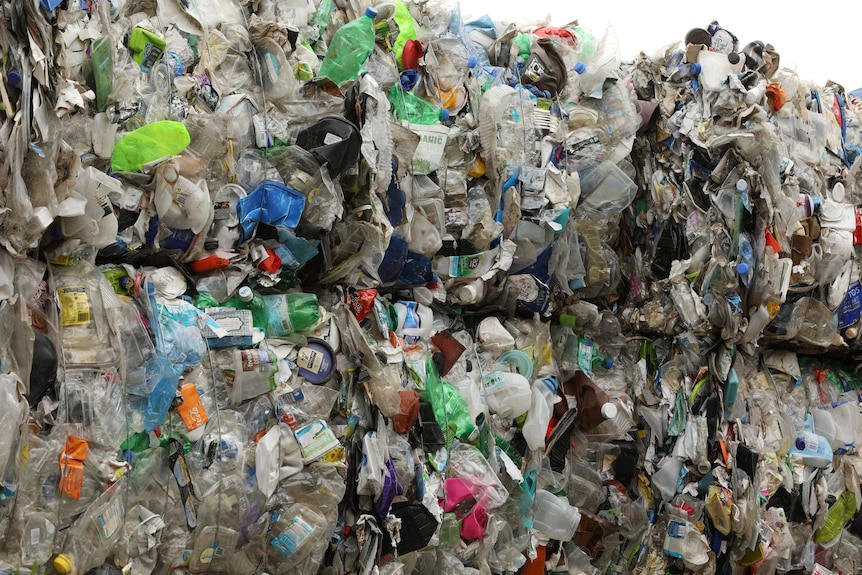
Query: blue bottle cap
{"x": 551, "y": 384}
{"x": 580, "y": 67}
{"x": 800, "y": 444}
{"x": 742, "y": 268}
{"x": 741, "y": 185}
{"x": 471, "y": 63}
{"x": 695, "y": 68}
{"x": 444, "y": 114}
{"x": 371, "y": 13}
{"x": 609, "y": 363}
{"x": 13, "y": 78}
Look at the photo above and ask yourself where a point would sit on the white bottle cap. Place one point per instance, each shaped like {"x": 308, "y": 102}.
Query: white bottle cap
{"x": 245, "y": 293}
{"x": 467, "y": 294}
{"x": 609, "y": 411}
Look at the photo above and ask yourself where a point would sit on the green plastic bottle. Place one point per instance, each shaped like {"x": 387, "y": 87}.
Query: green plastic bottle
{"x": 289, "y": 313}
{"x": 410, "y": 107}
{"x": 350, "y": 47}
{"x": 253, "y": 302}
{"x": 245, "y": 298}
{"x": 450, "y": 408}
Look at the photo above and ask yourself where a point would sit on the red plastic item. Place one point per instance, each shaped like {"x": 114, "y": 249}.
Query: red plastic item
{"x": 208, "y": 264}
{"x": 411, "y": 54}
{"x": 361, "y": 302}
{"x": 857, "y": 233}
{"x": 554, "y": 32}
{"x": 271, "y": 264}
{"x": 771, "y": 242}
{"x": 536, "y": 566}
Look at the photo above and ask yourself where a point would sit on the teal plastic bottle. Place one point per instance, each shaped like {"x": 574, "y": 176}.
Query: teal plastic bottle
{"x": 350, "y": 47}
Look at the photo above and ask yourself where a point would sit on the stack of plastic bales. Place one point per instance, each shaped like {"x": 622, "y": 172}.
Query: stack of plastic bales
{"x": 339, "y": 287}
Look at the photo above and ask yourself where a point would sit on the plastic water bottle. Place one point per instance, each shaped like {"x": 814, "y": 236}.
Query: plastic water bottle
{"x": 542, "y": 406}
{"x": 745, "y": 260}
{"x": 416, "y": 110}
{"x": 684, "y": 73}
{"x": 293, "y": 534}
{"x": 350, "y": 47}
{"x": 290, "y": 312}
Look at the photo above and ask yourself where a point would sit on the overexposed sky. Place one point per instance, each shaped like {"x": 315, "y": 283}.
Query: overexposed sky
{"x": 819, "y": 40}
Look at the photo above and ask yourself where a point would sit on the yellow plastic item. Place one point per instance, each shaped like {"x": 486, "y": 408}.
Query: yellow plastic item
{"x": 148, "y": 143}
{"x": 63, "y": 564}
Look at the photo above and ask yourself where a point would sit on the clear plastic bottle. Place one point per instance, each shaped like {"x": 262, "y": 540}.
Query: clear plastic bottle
{"x": 541, "y": 408}
{"x": 349, "y": 48}
{"x": 745, "y": 260}
{"x": 214, "y": 546}
{"x": 93, "y": 534}
{"x": 252, "y": 373}
{"x": 37, "y": 538}
{"x": 292, "y": 536}
{"x": 84, "y": 326}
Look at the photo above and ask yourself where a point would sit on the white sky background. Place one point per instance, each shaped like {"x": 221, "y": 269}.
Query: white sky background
{"x": 815, "y": 39}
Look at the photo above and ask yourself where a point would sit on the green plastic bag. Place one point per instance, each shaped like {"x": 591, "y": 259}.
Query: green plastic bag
{"x": 149, "y": 143}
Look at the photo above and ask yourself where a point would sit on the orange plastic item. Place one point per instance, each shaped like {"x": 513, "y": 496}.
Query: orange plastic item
{"x": 771, "y": 242}
{"x": 192, "y": 409}
{"x": 776, "y": 94}
{"x": 72, "y": 466}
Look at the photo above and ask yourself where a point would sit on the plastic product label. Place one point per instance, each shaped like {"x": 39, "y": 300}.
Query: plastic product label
{"x": 851, "y": 308}
{"x": 110, "y": 519}
{"x": 315, "y": 439}
{"x": 293, "y": 537}
{"x": 465, "y": 265}
{"x": 74, "y": 305}
{"x": 192, "y": 410}
{"x": 256, "y": 360}
{"x": 310, "y": 359}
{"x": 493, "y": 380}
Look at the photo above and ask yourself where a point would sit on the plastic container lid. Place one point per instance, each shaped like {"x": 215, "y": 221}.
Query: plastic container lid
{"x": 800, "y": 444}
{"x": 13, "y": 77}
{"x": 316, "y": 361}
{"x": 62, "y": 564}
{"x": 519, "y": 360}
{"x": 609, "y": 411}
{"x": 742, "y": 268}
{"x": 471, "y": 63}
{"x": 371, "y": 13}
{"x": 733, "y": 58}
{"x": 551, "y": 384}
{"x": 580, "y": 67}
{"x": 741, "y": 185}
